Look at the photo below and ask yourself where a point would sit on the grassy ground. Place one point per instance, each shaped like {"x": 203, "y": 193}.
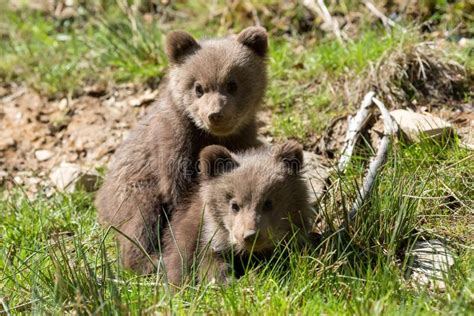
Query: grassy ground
{"x": 54, "y": 257}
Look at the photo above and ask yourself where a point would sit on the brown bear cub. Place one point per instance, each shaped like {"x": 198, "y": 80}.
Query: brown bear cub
{"x": 246, "y": 203}
{"x": 210, "y": 96}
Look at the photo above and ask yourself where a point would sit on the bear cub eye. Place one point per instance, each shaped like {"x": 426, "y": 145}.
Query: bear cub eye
{"x": 267, "y": 206}
{"x": 234, "y": 206}
{"x": 232, "y": 86}
{"x": 198, "y": 89}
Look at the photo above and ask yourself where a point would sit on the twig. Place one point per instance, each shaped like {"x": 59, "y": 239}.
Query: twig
{"x": 321, "y": 10}
{"x": 374, "y": 165}
{"x": 390, "y": 128}
{"x": 387, "y": 22}
{"x": 355, "y": 126}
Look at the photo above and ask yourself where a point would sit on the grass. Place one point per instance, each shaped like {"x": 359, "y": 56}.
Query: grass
{"x": 309, "y": 95}
{"x": 55, "y": 258}
{"x": 60, "y": 57}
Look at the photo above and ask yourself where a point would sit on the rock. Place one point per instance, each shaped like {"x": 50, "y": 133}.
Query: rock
{"x": 316, "y": 172}
{"x": 68, "y": 13}
{"x": 18, "y": 180}
{"x": 63, "y": 104}
{"x": 43, "y": 155}
{"x": 465, "y": 42}
{"x": 6, "y": 142}
{"x": 429, "y": 263}
{"x": 71, "y": 177}
{"x": 58, "y": 121}
{"x": 416, "y": 126}
{"x": 32, "y": 181}
{"x": 146, "y": 98}
{"x": 97, "y": 90}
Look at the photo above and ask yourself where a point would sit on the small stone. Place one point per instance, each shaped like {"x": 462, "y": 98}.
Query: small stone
{"x": 43, "y": 155}
{"x": 32, "y": 181}
{"x": 416, "y": 125}
{"x": 109, "y": 102}
{"x": 64, "y": 175}
{"x": 135, "y": 102}
{"x": 97, "y": 90}
{"x": 465, "y": 42}
{"x": 6, "y": 142}
{"x": 18, "y": 180}
{"x": 63, "y": 37}
{"x": 62, "y": 105}
{"x": 71, "y": 177}
{"x": 429, "y": 263}
{"x": 146, "y": 98}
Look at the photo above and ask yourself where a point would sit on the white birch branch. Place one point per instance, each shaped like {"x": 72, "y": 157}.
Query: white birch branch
{"x": 355, "y": 126}
{"x": 387, "y": 22}
{"x": 390, "y": 128}
{"x": 322, "y": 11}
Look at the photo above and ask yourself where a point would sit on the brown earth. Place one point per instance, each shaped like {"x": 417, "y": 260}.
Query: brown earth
{"x": 37, "y": 134}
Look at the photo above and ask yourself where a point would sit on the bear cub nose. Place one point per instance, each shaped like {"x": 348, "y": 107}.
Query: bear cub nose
{"x": 215, "y": 117}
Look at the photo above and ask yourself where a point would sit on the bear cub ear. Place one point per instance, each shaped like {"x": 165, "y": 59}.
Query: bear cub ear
{"x": 180, "y": 45}
{"x": 256, "y": 39}
{"x": 291, "y": 155}
{"x": 214, "y": 161}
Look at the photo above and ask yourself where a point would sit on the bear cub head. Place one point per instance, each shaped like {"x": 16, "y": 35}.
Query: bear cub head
{"x": 218, "y": 83}
{"x": 253, "y": 200}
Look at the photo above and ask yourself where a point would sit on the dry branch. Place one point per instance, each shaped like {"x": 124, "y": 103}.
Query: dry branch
{"x": 355, "y": 126}
{"x": 322, "y": 11}
{"x": 390, "y": 128}
{"x": 387, "y": 22}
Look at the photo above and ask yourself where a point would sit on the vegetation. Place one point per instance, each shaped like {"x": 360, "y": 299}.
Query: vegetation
{"x": 55, "y": 258}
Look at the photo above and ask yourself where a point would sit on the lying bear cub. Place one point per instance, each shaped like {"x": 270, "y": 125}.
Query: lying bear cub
{"x": 246, "y": 203}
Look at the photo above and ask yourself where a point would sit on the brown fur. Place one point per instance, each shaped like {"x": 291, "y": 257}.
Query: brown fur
{"x": 211, "y": 95}
{"x": 246, "y": 203}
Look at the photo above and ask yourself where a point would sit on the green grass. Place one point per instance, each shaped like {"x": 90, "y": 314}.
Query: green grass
{"x": 55, "y": 258}
{"x": 305, "y": 87}
{"x": 59, "y": 57}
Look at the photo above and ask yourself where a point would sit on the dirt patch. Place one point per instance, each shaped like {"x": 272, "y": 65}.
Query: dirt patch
{"x": 38, "y": 134}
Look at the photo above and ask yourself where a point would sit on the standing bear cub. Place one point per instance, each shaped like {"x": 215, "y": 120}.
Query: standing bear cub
{"x": 210, "y": 96}
{"x": 246, "y": 203}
